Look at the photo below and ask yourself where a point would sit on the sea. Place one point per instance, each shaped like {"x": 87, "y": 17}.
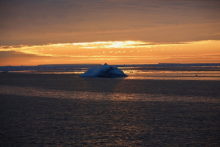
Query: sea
{"x": 150, "y": 107}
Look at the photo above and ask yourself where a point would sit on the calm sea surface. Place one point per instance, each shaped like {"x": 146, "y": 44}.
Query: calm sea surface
{"x": 148, "y": 108}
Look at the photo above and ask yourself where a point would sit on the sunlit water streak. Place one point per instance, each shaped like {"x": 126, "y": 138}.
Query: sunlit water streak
{"x": 101, "y": 96}
{"x": 173, "y": 75}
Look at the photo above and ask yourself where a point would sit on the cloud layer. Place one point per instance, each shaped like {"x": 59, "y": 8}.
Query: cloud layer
{"x": 56, "y": 21}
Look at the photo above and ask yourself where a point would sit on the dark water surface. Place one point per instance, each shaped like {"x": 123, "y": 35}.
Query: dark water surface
{"x": 65, "y": 110}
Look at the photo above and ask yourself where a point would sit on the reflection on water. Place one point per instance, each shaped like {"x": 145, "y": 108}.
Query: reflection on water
{"x": 172, "y": 75}
{"x": 101, "y": 96}
{"x": 66, "y": 110}
{"x": 49, "y": 72}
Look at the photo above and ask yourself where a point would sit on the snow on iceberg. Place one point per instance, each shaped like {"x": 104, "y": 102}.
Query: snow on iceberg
{"x": 104, "y": 71}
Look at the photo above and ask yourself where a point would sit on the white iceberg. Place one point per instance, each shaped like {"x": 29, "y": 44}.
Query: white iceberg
{"x": 104, "y": 71}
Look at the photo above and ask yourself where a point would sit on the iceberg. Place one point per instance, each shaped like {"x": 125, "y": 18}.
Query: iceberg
{"x": 105, "y": 70}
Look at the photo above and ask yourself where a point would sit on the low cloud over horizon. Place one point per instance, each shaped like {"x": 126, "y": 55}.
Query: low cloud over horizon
{"x": 115, "y": 52}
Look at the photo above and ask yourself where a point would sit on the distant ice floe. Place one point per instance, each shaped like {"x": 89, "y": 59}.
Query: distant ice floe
{"x": 104, "y": 71}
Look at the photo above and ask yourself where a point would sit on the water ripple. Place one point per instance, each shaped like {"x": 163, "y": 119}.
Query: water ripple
{"x": 101, "y": 96}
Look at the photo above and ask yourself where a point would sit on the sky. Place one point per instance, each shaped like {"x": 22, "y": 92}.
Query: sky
{"x": 34, "y": 32}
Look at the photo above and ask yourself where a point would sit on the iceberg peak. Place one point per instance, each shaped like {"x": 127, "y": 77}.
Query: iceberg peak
{"x": 105, "y": 70}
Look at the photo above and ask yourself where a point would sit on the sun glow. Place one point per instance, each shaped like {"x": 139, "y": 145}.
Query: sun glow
{"x": 107, "y": 44}
{"x": 42, "y": 50}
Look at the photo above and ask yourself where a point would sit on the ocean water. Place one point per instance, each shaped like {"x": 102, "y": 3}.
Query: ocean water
{"x": 144, "y": 74}
{"x": 147, "y": 108}
{"x": 173, "y": 75}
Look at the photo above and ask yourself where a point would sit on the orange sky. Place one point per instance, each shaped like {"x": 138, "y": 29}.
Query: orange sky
{"x": 113, "y": 32}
